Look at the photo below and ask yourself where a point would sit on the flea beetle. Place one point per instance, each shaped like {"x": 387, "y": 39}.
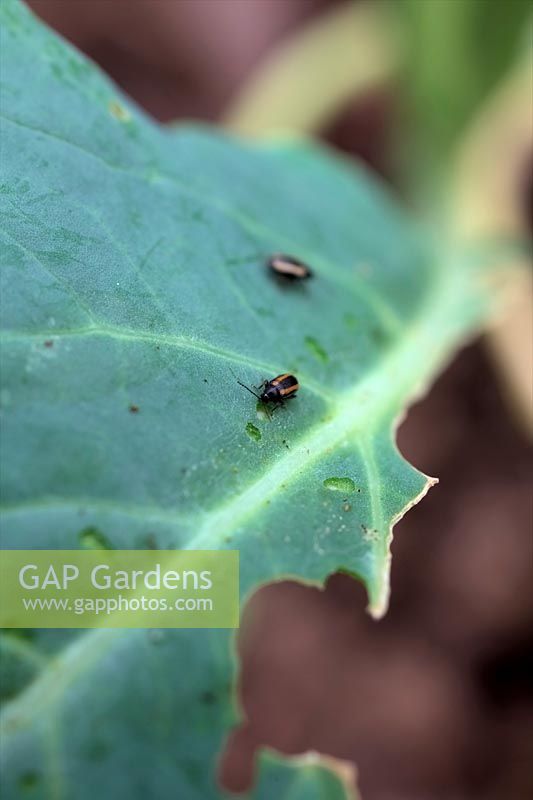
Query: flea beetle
{"x": 288, "y": 267}
{"x": 277, "y": 391}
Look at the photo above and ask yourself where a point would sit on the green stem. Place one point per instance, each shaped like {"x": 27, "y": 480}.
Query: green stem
{"x": 304, "y": 82}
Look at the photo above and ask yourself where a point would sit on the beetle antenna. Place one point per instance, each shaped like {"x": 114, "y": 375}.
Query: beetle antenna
{"x": 244, "y": 386}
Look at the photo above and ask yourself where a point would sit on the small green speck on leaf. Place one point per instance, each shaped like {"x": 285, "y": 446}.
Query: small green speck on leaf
{"x": 316, "y": 349}
{"x": 28, "y": 780}
{"x": 351, "y": 321}
{"x": 253, "y": 432}
{"x": 93, "y": 539}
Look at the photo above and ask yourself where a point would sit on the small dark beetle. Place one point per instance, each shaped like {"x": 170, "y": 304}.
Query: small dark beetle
{"x": 288, "y": 267}
{"x": 277, "y": 391}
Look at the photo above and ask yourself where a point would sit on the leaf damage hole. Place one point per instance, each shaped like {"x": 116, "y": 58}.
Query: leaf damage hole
{"x": 290, "y": 637}
{"x": 133, "y": 409}
{"x": 344, "y": 485}
{"x": 316, "y": 349}
{"x": 92, "y": 538}
{"x": 253, "y": 432}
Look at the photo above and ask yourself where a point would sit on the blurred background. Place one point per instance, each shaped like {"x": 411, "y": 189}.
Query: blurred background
{"x": 435, "y": 702}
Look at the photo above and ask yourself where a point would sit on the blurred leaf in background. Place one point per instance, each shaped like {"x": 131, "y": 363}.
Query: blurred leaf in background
{"x": 455, "y": 52}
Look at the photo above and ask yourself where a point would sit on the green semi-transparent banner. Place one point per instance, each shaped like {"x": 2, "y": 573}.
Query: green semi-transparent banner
{"x": 119, "y": 589}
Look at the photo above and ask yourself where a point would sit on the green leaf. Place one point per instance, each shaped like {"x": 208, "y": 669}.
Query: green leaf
{"x": 134, "y": 278}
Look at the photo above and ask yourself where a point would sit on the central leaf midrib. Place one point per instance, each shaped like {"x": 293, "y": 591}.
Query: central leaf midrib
{"x": 167, "y": 340}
